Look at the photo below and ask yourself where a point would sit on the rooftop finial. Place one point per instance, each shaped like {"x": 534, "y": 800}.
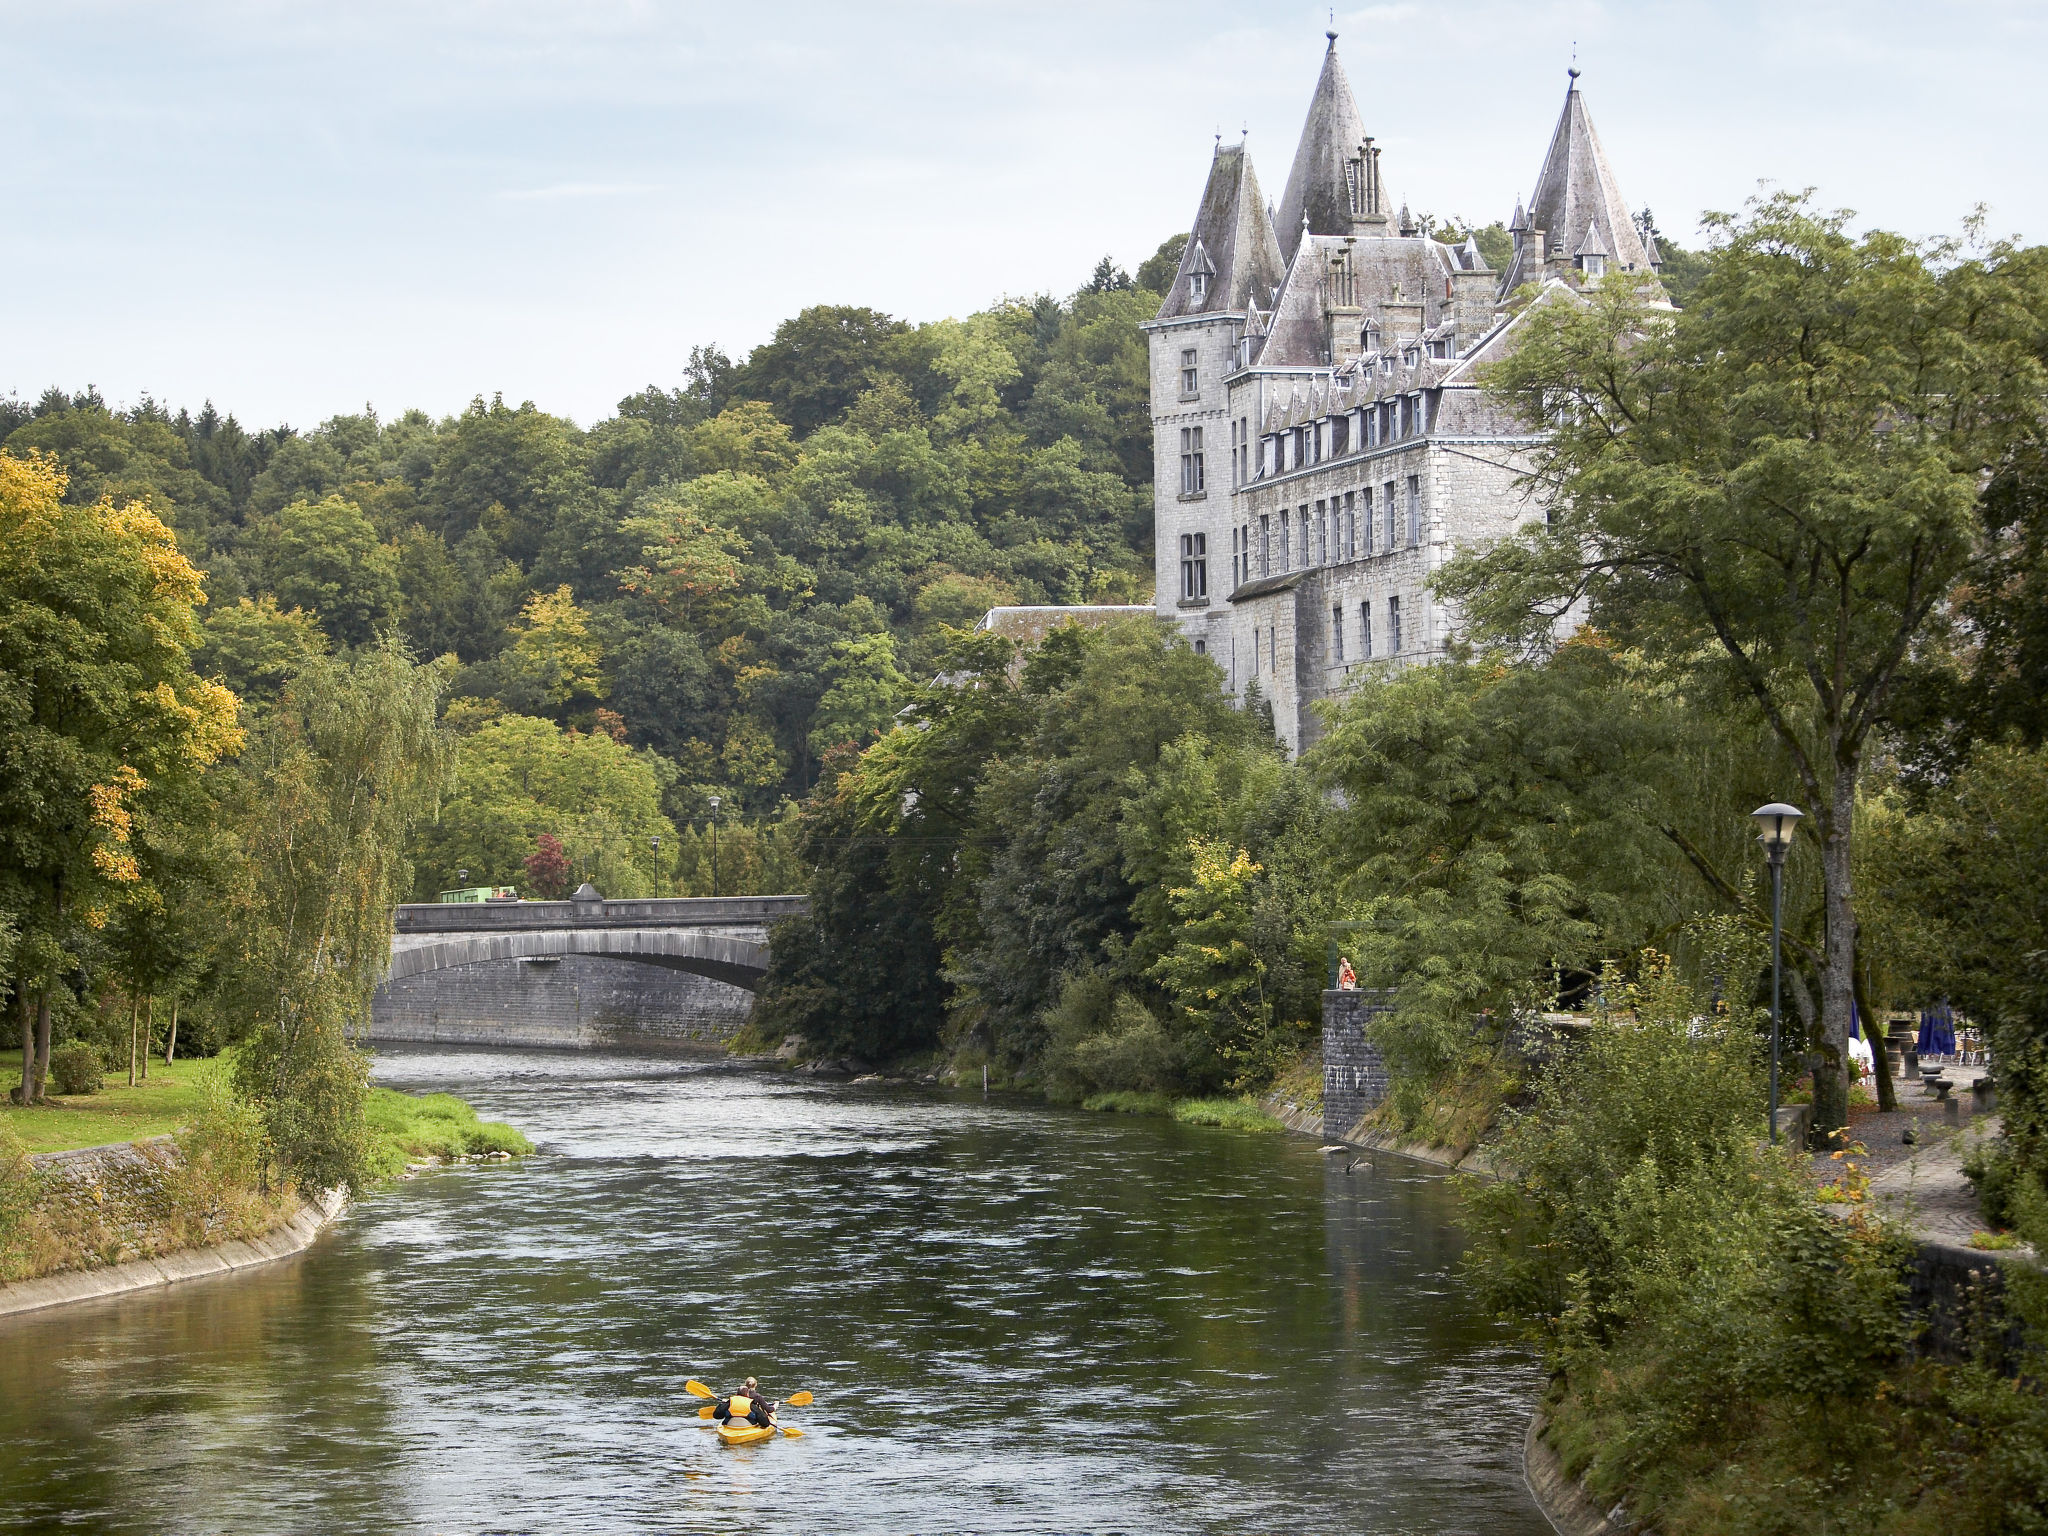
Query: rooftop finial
{"x": 1574, "y": 70}
{"x": 1332, "y": 33}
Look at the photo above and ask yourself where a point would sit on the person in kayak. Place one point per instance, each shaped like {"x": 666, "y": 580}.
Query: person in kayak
{"x": 759, "y": 1412}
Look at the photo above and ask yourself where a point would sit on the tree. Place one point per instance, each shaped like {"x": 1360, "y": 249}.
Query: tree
{"x": 547, "y": 868}
{"x": 325, "y": 557}
{"x": 520, "y": 777}
{"x": 255, "y": 648}
{"x": 865, "y": 692}
{"x": 1775, "y": 489}
{"x": 101, "y": 715}
{"x": 818, "y": 363}
{"x": 335, "y": 784}
{"x": 553, "y": 657}
{"x": 686, "y": 560}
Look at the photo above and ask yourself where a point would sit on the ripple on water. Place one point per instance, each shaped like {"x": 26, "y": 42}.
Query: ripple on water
{"x": 1016, "y": 1319}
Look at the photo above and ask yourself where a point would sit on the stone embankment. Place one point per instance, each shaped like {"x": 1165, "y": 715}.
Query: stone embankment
{"x": 87, "y": 1168}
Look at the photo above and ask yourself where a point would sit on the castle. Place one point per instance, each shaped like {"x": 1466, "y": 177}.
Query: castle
{"x": 1317, "y": 419}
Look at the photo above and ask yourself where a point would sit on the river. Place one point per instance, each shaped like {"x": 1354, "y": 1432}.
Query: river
{"x": 1015, "y": 1319}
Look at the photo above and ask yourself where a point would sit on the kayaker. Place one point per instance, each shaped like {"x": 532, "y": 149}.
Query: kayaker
{"x": 759, "y": 1411}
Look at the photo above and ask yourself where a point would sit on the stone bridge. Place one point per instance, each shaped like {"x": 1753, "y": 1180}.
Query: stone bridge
{"x": 674, "y": 971}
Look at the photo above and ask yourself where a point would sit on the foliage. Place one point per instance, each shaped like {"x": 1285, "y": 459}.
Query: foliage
{"x": 345, "y": 769}
{"x": 103, "y": 722}
{"x": 77, "y": 1068}
{"x": 1775, "y": 488}
{"x": 1681, "y": 1273}
{"x": 518, "y": 778}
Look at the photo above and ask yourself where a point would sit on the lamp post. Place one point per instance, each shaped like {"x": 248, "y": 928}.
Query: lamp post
{"x": 655, "y": 843}
{"x": 1776, "y": 824}
{"x": 714, "y": 845}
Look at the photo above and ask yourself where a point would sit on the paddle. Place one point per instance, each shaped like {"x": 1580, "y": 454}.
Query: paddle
{"x": 697, "y": 1389}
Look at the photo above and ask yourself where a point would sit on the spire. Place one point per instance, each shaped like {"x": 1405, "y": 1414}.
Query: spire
{"x": 1334, "y": 170}
{"x": 1577, "y": 201}
{"x": 1232, "y": 260}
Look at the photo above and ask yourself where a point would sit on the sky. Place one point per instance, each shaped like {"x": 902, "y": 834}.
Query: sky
{"x": 297, "y": 209}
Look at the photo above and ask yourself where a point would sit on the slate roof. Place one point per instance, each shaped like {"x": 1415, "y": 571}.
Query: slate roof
{"x": 1577, "y": 201}
{"x": 1232, "y": 242}
{"x": 1316, "y": 184}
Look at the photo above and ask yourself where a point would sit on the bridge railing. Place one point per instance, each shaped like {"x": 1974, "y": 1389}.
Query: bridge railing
{"x": 627, "y": 912}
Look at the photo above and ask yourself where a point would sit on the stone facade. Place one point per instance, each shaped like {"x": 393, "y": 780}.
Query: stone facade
{"x": 1354, "y": 1075}
{"x": 574, "y": 1001}
{"x": 1322, "y": 442}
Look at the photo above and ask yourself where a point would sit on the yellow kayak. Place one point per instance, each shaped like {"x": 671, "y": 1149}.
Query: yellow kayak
{"x": 738, "y": 1431}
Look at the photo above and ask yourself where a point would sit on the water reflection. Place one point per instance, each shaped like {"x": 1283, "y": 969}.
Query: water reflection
{"x": 1015, "y": 1319}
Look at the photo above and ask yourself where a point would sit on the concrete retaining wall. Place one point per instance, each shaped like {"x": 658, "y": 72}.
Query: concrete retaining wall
{"x": 573, "y": 1001}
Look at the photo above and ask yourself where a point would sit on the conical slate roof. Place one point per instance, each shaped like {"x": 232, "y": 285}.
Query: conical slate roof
{"x": 1231, "y": 245}
{"x": 1577, "y": 199}
{"x": 1316, "y": 184}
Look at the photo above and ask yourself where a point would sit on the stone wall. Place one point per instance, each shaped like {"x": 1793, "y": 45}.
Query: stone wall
{"x": 573, "y": 1001}
{"x": 1354, "y": 1075}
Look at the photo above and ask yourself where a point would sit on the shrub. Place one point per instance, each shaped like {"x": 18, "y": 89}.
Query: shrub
{"x": 75, "y": 1067}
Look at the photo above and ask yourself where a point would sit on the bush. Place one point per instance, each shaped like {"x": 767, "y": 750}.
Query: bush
{"x": 1101, "y": 1040}
{"x": 75, "y": 1067}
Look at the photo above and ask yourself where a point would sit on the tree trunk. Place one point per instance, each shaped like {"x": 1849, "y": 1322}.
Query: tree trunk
{"x": 171, "y": 1043}
{"x": 148, "y": 1030}
{"x": 1837, "y": 977}
{"x": 1873, "y": 1035}
{"x": 42, "y": 1044}
{"x": 23, "y": 1095}
{"x": 134, "y": 1011}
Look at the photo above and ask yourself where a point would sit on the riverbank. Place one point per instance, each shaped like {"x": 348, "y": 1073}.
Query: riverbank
{"x": 293, "y": 1235}
{"x": 82, "y": 1218}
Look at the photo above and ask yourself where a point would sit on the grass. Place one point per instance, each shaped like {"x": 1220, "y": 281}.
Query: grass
{"x": 403, "y": 1128}
{"x": 407, "y": 1128}
{"x": 1231, "y": 1114}
{"x": 173, "y": 1097}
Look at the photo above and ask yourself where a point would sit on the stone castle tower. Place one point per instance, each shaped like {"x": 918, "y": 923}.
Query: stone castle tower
{"x": 1321, "y": 444}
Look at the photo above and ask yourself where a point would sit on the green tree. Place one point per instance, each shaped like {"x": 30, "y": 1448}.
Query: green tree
{"x": 1777, "y": 488}
{"x": 864, "y": 694}
{"x": 336, "y": 782}
{"x": 520, "y": 777}
{"x": 101, "y": 717}
{"x": 325, "y": 557}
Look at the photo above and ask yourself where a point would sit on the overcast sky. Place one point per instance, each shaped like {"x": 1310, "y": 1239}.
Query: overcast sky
{"x": 294, "y": 209}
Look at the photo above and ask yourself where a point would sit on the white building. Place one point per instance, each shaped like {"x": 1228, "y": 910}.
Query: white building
{"x": 1321, "y": 443}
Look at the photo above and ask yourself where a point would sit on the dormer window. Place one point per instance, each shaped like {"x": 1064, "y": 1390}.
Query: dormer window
{"x": 1198, "y": 286}
{"x": 1593, "y": 266}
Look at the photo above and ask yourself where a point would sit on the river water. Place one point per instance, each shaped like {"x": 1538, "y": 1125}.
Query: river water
{"x": 1015, "y": 1319}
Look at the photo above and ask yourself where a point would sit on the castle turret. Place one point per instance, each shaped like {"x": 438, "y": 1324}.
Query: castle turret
{"x": 1577, "y": 222}
{"x": 1334, "y": 185}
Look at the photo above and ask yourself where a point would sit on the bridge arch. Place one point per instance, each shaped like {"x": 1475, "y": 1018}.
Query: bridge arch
{"x": 739, "y": 962}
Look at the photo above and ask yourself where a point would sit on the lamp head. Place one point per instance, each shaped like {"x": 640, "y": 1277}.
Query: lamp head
{"x": 656, "y": 840}
{"x": 1775, "y": 825}
{"x": 714, "y": 802}
{"x": 462, "y": 875}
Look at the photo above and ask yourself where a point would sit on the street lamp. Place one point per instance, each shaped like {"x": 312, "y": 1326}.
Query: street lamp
{"x": 1776, "y": 824}
{"x": 714, "y": 845}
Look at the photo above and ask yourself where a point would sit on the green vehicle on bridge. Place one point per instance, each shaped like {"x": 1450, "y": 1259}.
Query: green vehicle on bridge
{"x": 482, "y": 893}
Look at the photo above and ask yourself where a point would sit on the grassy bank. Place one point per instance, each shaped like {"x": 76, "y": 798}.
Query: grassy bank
{"x": 203, "y": 1187}
{"x": 407, "y": 1128}
{"x": 1231, "y": 1114}
{"x": 173, "y": 1097}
